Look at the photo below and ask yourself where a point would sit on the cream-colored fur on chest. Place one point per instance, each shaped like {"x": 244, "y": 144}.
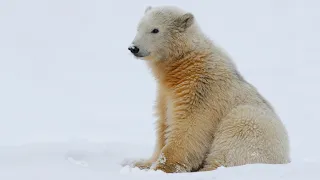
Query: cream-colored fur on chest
{"x": 168, "y": 118}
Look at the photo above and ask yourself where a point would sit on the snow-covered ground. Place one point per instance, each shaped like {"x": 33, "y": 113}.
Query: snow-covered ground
{"x": 74, "y": 104}
{"x": 80, "y": 159}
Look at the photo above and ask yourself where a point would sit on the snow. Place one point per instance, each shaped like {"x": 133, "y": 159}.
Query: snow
{"x": 74, "y": 103}
{"x": 81, "y": 159}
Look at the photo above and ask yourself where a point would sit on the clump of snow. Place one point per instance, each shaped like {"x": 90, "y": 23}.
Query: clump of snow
{"x": 162, "y": 159}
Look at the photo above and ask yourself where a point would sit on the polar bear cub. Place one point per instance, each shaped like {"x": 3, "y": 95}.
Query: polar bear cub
{"x": 208, "y": 115}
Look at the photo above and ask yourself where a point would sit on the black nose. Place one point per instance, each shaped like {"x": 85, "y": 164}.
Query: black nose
{"x": 134, "y": 49}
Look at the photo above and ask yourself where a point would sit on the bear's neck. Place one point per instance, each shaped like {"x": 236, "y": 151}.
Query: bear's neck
{"x": 172, "y": 72}
{"x": 208, "y": 62}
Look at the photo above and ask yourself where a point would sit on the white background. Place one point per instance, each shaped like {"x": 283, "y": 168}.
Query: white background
{"x": 66, "y": 73}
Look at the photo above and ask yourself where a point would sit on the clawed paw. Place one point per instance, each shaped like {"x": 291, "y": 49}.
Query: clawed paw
{"x": 143, "y": 164}
{"x": 169, "y": 168}
{"x": 207, "y": 169}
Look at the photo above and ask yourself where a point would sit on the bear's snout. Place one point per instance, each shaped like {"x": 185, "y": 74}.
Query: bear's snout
{"x": 133, "y": 49}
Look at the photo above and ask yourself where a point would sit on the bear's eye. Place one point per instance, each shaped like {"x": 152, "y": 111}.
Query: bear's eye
{"x": 155, "y": 31}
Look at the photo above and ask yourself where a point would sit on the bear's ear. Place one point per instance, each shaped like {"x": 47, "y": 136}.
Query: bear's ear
{"x": 147, "y": 9}
{"x": 185, "y": 21}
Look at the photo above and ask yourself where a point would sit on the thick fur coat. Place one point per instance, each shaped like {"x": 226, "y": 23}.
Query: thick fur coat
{"x": 208, "y": 115}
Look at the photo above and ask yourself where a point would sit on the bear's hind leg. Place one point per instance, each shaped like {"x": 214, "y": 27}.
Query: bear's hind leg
{"x": 248, "y": 135}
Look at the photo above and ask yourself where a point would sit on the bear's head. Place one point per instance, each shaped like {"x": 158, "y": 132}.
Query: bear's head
{"x": 163, "y": 32}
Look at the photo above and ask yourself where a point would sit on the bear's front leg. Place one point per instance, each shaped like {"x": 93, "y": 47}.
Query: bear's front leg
{"x": 146, "y": 164}
{"x": 160, "y": 135}
{"x": 186, "y": 147}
